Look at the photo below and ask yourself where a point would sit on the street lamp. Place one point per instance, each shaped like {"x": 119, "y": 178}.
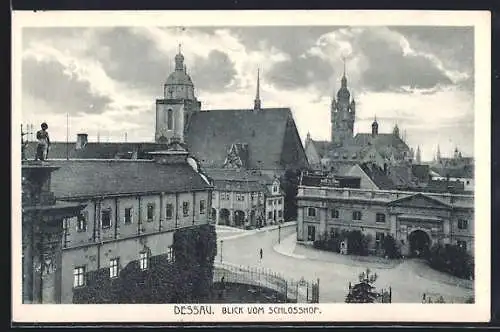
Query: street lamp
{"x": 221, "y": 242}
{"x": 279, "y": 233}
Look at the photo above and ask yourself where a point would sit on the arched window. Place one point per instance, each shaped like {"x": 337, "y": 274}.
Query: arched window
{"x": 170, "y": 119}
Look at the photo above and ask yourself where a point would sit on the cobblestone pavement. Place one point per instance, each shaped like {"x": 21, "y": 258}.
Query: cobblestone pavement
{"x": 408, "y": 279}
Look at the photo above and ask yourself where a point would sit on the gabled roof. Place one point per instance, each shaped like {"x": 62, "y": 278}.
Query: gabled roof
{"x": 465, "y": 171}
{"x": 95, "y": 150}
{"x": 377, "y": 175}
{"x": 270, "y": 133}
{"x": 380, "y": 140}
{"x": 321, "y": 147}
{"x": 420, "y": 200}
{"x": 82, "y": 178}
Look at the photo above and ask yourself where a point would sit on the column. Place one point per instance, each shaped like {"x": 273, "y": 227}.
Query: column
{"x": 322, "y": 221}
{"x": 300, "y": 223}
{"x": 447, "y": 230}
{"x": 394, "y": 225}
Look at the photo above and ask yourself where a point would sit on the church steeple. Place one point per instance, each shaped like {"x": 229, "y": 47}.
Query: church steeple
{"x": 179, "y": 60}
{"x": 375, "y": 127}
{"x": 395, "y": 131}
{"x": 418, "y": 158}
{"x": 344, "y": 78}
{"x": 256, "y": 103}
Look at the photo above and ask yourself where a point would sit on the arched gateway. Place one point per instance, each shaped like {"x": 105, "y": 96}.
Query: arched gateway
{"x": 419, "y": 243}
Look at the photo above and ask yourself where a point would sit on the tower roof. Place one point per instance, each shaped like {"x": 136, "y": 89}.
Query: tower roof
{"x": 179, "y": 76}
{"x": 343, "y": 92}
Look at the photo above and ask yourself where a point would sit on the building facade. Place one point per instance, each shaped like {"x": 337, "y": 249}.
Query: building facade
{"x": 415, "y": 220}
{"x": 42, "y": 233}
{"x": 132, "y": 209}
{"x": 245, "y": 198}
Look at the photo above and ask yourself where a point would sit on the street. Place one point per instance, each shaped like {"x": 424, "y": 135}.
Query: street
{"x": 409, "y": 280}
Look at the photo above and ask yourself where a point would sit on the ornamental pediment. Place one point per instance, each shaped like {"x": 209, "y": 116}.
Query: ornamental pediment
{"x": 420, "y": 201}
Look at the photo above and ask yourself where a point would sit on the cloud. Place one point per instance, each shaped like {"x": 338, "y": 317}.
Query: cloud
{"x": 131, "y": 58}
{"x": 214, "y": 72}
{"x": 50, "y": 81}
{"x": 300, "y": 72}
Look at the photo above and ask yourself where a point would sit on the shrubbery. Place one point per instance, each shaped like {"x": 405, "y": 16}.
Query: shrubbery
{"x": 357, "y": 243}
{"x": 452, "y": 259}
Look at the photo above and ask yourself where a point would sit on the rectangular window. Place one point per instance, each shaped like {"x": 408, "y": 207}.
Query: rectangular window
{"x": 113, "y": 267}
{"x": 380, "y": 217}
{"x": 81, "y": 224}
{"x": 144, "y": 260}
{"x": 151, "y": 212}
{"x": 463, "y": 224}
{"x": 462, "y": 244}
{"x": 379, "y": 239}
{"x": 280, "y": 213}
{"x": 335, "y": 213}
{"x": 356, "y": 215}
{"x": 311, "y": 233}
{"x": 128, "y": 215}
{"x": 202, "y": 206}
{"x": 169, "y": 211}
{"x": 311, "y": 212}
{"x": 79, "y": 276}
{"x": 270, "y": 215}
{"x": 185, "y": 209}
{"x": 106, "y": 218}
{"x": 170, "y": 254}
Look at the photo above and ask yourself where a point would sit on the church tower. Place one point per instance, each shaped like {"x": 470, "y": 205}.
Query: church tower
{"x": 174, "y": 111}
{"x": 343, "y": 114}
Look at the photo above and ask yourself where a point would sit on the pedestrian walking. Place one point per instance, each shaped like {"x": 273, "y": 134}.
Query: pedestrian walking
{"x": 261, "y": 252}
{"x": 43, "y": 143}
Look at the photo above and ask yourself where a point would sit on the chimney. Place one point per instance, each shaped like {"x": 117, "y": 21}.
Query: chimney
{"x": 81, "y": 141}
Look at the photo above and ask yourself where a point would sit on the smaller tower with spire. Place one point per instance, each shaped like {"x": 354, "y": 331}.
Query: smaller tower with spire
{"x": 375, "y": 127}
{"x": 256, "y": 102}
{"x": 395, "y": 131}
{"x": 438, "y": 155}
{"x": 418, "y": 157}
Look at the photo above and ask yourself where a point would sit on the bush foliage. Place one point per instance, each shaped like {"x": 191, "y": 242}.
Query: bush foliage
{"x": 452, "y": 259}
{"x": 357, "y": 243}
{"x": 188, "y": 279}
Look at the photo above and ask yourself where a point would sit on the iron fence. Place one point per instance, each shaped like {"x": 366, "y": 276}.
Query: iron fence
{"x": 301, "y": 291}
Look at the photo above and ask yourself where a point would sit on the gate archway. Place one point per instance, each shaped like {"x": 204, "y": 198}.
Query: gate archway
{"x": 419, "y": 243}
{"x": 224, "y": 217}
{"x": 239, "y": 218}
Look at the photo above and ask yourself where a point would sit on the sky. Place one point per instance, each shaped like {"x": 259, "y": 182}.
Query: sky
{"x": 104, "y": 80}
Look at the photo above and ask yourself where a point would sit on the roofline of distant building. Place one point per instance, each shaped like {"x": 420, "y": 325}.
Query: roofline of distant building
{"x": 384, "y": 191}
{"x": 97, "y": 196}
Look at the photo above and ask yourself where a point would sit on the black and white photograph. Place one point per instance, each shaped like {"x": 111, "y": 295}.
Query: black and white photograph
{"x": 251, "y": 166}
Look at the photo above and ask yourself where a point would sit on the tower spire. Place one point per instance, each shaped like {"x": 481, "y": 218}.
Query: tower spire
{"x": 344, "y": 78}
{"x": 343, "y": 59}
{"x": 256, "y": 104}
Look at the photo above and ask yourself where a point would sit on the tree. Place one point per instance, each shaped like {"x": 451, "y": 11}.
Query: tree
{"x": 364, "y": 291}
{"x": 391, "y": 249}
{"x": 290, "y": 185}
